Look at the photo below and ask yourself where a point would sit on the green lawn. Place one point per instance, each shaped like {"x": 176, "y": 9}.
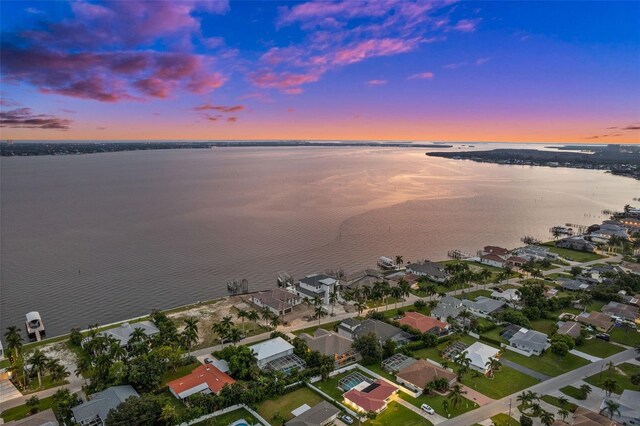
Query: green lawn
{"x": 572, "y": 391}
{"x": 281, "y": 407}
{"x": 167, "y": 397}
{"x": 47, "y": 383}
{"x": 570, "y": 406}
{"x": 628, "y": 337}
{"x": 396, "y": 414}
{"x": 228, "y": 418}
{"x": 557, "y": 275}
{"x": 599, "y": 348}
{"x": 473, "y": 294}
{"x": 310, "y": 330}
{"x": 505, "y": 382}
{"x": 376, "y": 368}
{"x": 180, "y": 371}
{"x": 545, "y": 326}
{"x": 21, "y": 411}
{"x": 504, "y": 420}
{"x": 330, "y": 387}
{"x": 435, "y": 401}
{"x": 495, "y": 335}
{"x": 622, "y": 375}
{"x": 4, "y": 363}
{"x": 577, "y": 256}
{"x": 548, "y": 363}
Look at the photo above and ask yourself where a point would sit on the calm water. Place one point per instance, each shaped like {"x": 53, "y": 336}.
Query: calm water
{"x": 100, "y": 238}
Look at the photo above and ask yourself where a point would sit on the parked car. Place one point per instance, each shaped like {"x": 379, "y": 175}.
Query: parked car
{"x": 428, "y": 409}
{"x": 603, "y": 336}
{"x": 347, "y": 419}
{"x": 208, "y": 360}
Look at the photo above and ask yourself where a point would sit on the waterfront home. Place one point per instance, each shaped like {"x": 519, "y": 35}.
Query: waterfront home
{"x": 516, "y": 261}
{"x": 530, "y": 342}
{"x": 370, "y": 397}
{"x": 483, "y": 306}
{"x": 277, "y": 300}
{"x": 352, "y": 328}
{"x": 447, "y": 307}
{"x": 419, "y": 374}
{"x": 94, "y": 411}
{"x": 510, "y": 295}
{"x": 620, "y": 311}
{"x": 365, "y": 278}
{"x": 276, "y": 354}
{"x": 495, "y": 250}
{"x": 431, "y": 270}
{"x": 480, "y": 354}
{"x": 317, "y": 285}
{"x": 424, "y": 324}
{"x": 569, "y": 328}
{"x": 629, "y": 407}
{"x": 387, "y": 263}
{"x": 320, "y": 414}
{"x": 122, "y": 333}
{"x": 204, "y": 379}
{"x": 493, "y": 260}
{"x": 597, "y": 320}
{"x": 535, "y": 253}
{"x": 332, "y": 344}
{"x": 576, "y": 243}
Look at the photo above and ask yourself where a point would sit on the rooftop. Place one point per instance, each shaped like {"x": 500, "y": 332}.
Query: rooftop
{"x": 203, "y": 377}
{"x": 372, "y": 397}
{"x": 421, "y": 322}
{"x": 270, "y": 348}
{"x": 422, "y": 372}
{"x": 102, "y": 402}
{"x": 315, "y": 416}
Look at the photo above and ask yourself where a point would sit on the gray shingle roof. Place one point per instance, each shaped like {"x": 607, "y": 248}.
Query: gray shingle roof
{"x": 484, "y": 304}
{"x": 102, "y": 402}
{"x": 123, "y": 332}
{"x": 315, "y": 416}
{"x": 429, "y": 268}
{"x": 530, "y": 338}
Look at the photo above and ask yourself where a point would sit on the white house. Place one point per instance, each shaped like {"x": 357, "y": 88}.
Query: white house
{"x": 480, "y": 354}
{"x": 270, "y": 350}
{"x": 510, "y": 295}
{"x": 317, "y": 285}
{"x": 492, "y": 260}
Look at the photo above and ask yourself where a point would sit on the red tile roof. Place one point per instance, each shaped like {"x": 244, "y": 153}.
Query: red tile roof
{"x": 496, "y": 250}
{"x": 420, "y": 322}
{"x": 493, "y": 257}
{"x": 373, "y": 400}
{"x": 207, "y": 373}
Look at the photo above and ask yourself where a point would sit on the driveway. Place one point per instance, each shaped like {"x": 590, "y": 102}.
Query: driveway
{"x": 585, "y": 356}
{"x": 525, "y": 370}
{"x": 433, "y": 418}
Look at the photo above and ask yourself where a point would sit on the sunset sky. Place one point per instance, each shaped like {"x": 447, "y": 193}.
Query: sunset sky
{"x": 384, "y": 70}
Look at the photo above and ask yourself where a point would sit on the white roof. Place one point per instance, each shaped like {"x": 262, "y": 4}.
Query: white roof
{"x": 221, "y": 365}
{"x": 33, "y": 316}
{"x": 270, "y": 348}
{"x": 327, "y": 281}
{"x": 509, "y": 294}
{"x": 479, "y": 354}
{"x": 301, "y": 409}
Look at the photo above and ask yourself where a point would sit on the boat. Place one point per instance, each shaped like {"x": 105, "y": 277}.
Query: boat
{"x": 34, "y": 325}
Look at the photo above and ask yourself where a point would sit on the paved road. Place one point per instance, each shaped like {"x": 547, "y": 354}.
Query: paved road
{"x": 525, "y": 370}
{"x": 546, "y": 387}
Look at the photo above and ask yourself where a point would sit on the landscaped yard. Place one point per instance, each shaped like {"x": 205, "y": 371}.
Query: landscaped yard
{"x": 572, "y": 391}
{"x": 548, "y": 363}
{"x": 626, "y": 337}
{"x": 281, "y": 407}
{"x": 228, "y": 418}
{"x": 599, "y": 348}
{"x": 505, "y": 382}
{"x": 310, "y": 330}
{"x": 495, "y": 335}
{"x": 544, "y": 325}
{"x": 330, "y": 387}
{"x": 622, "y": 376}
{"x": 21, "y": 411}
{"x": 396, "y": 414}
{"x": 504, "y": 420}
{"x": 473, "y": 294}
{"x": 577, "y": 256}
{"x": 557, "y": 275}
{"x": 570, "y": 406}
{"x": 435, "y": 401}
{"x": 376, "y": 368}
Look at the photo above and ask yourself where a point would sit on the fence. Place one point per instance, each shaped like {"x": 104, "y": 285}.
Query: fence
{"x": 225, "y": 411}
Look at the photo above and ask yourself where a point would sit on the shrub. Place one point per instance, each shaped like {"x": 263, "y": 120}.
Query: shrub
{"x": 525, "y": 421}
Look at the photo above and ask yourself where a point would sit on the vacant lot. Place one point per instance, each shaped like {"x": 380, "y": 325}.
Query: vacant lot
{"x": 281, "y": 407}
{"x": 599, "y": 348}
{"x": 548, "y": 363}
{"x": 505, "y": 382}
{"x": 626, "y": 337}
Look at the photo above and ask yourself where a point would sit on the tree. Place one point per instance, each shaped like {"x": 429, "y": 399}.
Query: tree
{"x": 635, "y": 379}
{"x": 609, "y": 385}
{"x": 169, "y": 355}
{"x": 492, "y": 366}
{"x": 369, "y": 347}
{"x": 145, "y": 372}
{"x": 563, "y": 401}
{"x": 139, "y": 411}
{"x": 275, "y": 322}
{"x": 585, "y": 390}
{"x": 611, "y": 408}
{"x": 33, "y": 404}
{"x": 456, "y": 396}
{"x": 563, "y": 413}
{"x": 14, "y": 340}
{"x": 389, "y": 348}
{"x": 75, "y": 337}
{"x": 360, "y": 307}
{"x": 399, "y": 260}
{"x": 253, "y": 316}
{"x": 546, "y": 418}
{"x": 575, "y": 271}
{"x": 242, "y": 314}
{"x": 58, "y": 372}
{"x": 242, "y": 362}
{"x": 333, "y": 299}
{"x": 525, "y": 421}
{"x": 319, "y": 313}
{"x": 445, "y": 406}
{"x": 235, "y": 335}
{"x": 63, "y": 402}
{"x": 168, "y": 413}
{"x": 38, "y": 363}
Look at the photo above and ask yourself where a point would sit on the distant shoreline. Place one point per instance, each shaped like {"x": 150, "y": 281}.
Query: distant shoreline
{"x": 22, "y": 149}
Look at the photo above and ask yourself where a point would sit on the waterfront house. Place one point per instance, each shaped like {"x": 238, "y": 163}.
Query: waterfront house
{"x": 317, "y": 285}
{"x": 276, "y": 354}
{"x": 483, "y": 306}
{"x": 447, "y": 307}
{"x": 332, "y": 344}
{"x": 597, "y": 320}
{"x": 620, "y": 311}
{"x": 530, "y": 342}
{"x": 359, "y": 279}
{"x": 94, "y": 411}
{"x": 204, "y": 379}
{"x": 516, "y": 261}
{"x": 480, "y": 354}
{"x": 320, "y": 414}
{"x": 122, "y": 333}
{"x": 419, "y": 374}
{"x": 424, "y": 324}
{"x": 352, "y": 328}
{"x": 569, "y": 328}
{"x": 493, "y": 260}
{"x": 370, "y": 397}
{"x": 277, "y": 300}
{"x": 576, "y": 243}
{"x": 495, "y": 250}
{"x": 431, "y": 270}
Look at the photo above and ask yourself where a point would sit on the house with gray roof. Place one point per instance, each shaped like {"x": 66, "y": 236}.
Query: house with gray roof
{"x": 317, "y": 285}
{"x": 629, "y": 407}
{"x": 123, "y": 332}
{"x": 573, "y": 285}
{"x": 277, "y": 300}
{"x": 95, "y": 411}
{"x": 381, "y": 329}
{"x": 431, "y": 270}
{"x": 41, "y": 418}
{"x": 529, "y": 341}
{"x": 319, "y": 415}
{"x": 483, "y": 306}
{"x": 576, "y": 243}
{"x": 448, "y": 307}
{"x": 332, "y": 344}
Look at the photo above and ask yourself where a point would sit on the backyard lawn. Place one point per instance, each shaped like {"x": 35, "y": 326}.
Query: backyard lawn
{"x": 396, "y": 414}
{"x": 21, "y": 411}
{"x": 622, "y": 376}
{"x": 505, "y": 382}
{"x": 228, "y": 418}
{"x": 281, "y": 407}
{"x": 599, "y": 348}
{"x": 435, "y": 401}
{"x": 310, "y": 330}
{"x": 577, "y": 256}
{"x": 473, "y": 294}
{"x": 544, "y": 325}
{"x": 626, "y": 337}
{"x": 548, "y": 363}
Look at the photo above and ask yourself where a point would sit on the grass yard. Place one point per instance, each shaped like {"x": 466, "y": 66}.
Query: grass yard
{"x": 628, "y": 337}
{"x": 47, "y": 383}
{"x": 599, "y": 348}
{"x": 557, "y": 275}
{"x": 281, "y": 407}
{"x": 505, "y": 382}
{"x": 330, "y": 387}
{"x": 504, "y": 420}
{"x": 331, "y": 326}
{"x": 622, "y": 375}
{"x": 495, "y": 335}
{"x": 4, "y": 363}
{"x": 167, "y": 397}
{"x": 548, "y": 363}
{"x": 396, "y": 414}
{"x": 577, "y": 256}
{"x": 569, "y": 406}
{"x": 572, "y": 391}
{"x": 435, "y": 401}
{"x": 376, "y": 368}
{"x": 228, "y": 418}
{"x": 473, "y": 294}
{"x": 180, "y": 371}
{"x": 21, "y": 411}
{"x": 545, "y": 326}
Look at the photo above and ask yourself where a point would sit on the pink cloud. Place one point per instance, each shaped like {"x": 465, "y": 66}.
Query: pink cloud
{"x": 467, "y": 25}
{"x": 373, "y": 48}
{"x": 221, "y": 108}
{"x": 25, "y": 118}
{"x": 422, "y": 76}
{"x": 376, "y": 82}
{"x": 272, "y": 80}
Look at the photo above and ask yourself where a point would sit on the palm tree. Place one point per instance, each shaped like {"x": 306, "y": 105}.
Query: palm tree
{"x": 83, "y": 368}
{"x": 253, "y": 316}
{"x": 524, "y": 399}
{"x": 360, "y": 307}
{"x": 13, "y": 339}
{"x": 405, "y": 288}
{"x": 396, "y": 293}
{"x": 563, "y": 401}
{"x": 484, "y": 276}
{"x": 58, "y": 372}
{"x": 137, "y": 336}
{"x": 319, "y": 313}
{"x": 585, "y": 390}
{"x": 242, "y": 314}
{"x": 38, "y": 362}
{"x": 399, "y": 260}
{"x": 546, "y": 418}
{"x": 117, "y": 352}
{"x": 492, "y": 366}
{"x": 609, "y": 385}
{"x": 455, "y": 396}
{"x": 190, "y": 332}
{"x": 563, "y": 413}
{"x": 266, "y": 316}
{"x": 445, "y": 405}
{"x": 333, "y": 298}
{"x": 275, "y": 322}
{"x": 612, "y": 408}
{"x": 235, "y": 335}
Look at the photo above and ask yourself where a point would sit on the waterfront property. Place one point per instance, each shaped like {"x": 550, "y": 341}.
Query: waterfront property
{"x": 317, "y": 285}
{"x": 94, "y": 412}
{"x": 577, "y": 243}
{"x": 493, "y": 260}
{"x": 352, "y": 328}
{"x": 277, "y": 300}
{"x": 122, "y": 333}
{"x": 431, "y": 270}
{"x": 204, "y": 379}
{"x": 331, "y": 344}
{"x": 420, "y": 373}
{"x": 276, "y": 354}
{"x": 424, "y": 324}
{"x": 320, "y": 414}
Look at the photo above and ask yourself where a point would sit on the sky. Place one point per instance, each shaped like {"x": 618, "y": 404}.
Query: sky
{"x": 321, "y": 70}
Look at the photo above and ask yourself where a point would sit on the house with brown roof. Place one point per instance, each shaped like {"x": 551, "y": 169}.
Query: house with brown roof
{"x": 498, "y": 251}
{"x": 370, "y": 397}
{"x": 569, "y": 328}
{"x": 331, "y": 344}
{"x": 424, "y": 324}
{"x": 585, "y": 417}
{"x": 621, "y": 311}
{"x": 204, "y": 379}
{"x": 277, "y": 300}
{"x": 597, "y": 320}
{"x": 417, "y": 375}
{"x": 492, "y": 260}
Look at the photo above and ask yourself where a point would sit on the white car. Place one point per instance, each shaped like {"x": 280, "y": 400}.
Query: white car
{"x": 427, "y": 408}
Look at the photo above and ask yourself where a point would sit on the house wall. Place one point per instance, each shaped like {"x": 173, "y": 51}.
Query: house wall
{"x": 492, "y": 263}
{"x": 418, "y": 390}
